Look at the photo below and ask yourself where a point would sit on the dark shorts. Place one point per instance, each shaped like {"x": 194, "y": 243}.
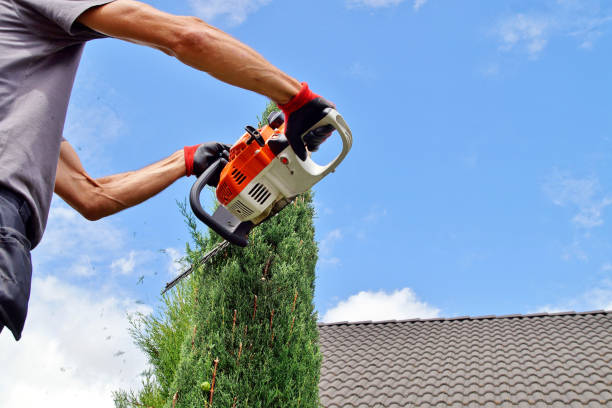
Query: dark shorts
{"x": 15, "y": 262}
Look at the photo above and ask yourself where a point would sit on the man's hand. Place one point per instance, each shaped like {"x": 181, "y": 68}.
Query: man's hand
{"x": 100, "y": 197}
{"x": 301, "y": 113}
{"x": 199, "y": 157}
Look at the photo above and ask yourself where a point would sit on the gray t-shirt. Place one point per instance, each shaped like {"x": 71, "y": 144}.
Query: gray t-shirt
{"x": 40, "y": 48}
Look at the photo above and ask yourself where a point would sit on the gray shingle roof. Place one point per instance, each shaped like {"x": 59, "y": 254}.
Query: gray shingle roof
{"x": 537, "y": 360}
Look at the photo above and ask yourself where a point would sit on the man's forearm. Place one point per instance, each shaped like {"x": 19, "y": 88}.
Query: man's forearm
{"x": 195, "y": 43}
{"x": 97, "y": 198}
{"x": 124, "y": 190}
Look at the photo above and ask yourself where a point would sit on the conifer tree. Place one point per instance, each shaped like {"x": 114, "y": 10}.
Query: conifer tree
{"x": 250, "y": 334}
{"x": 254, "y": 337}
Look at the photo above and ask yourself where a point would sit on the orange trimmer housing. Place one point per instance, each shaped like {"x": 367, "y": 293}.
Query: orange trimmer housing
{"x": 246, "y": 161}
{"x": 263, "y": 175}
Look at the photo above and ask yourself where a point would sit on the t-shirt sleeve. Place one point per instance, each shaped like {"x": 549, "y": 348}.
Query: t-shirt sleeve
{"x": 64, "y": 12}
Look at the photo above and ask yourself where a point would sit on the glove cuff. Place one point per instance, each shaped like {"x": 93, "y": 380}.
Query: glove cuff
{"x": 189, "y": 155}
{"x": 302, "y": 98}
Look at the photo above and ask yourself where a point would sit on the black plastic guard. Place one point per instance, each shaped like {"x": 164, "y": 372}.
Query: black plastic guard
{"x": 222, "y": 221}
{"x": 238, "y": 232}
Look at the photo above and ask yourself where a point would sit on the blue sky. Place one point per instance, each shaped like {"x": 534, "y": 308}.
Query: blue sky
{"x": 480, "y": 179}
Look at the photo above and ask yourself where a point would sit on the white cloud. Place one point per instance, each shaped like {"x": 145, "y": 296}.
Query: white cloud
{"x": 234, "y": 11}
{"x": 590, "y": 31}
{"x": 376, "y": 3}
{"x": 332, "y": 237}
{"x": 574, "y": 251}
{"x": 326, "y": 246}
{"x": 596, "y": 298}
{"x": 66, "y": 356}
{"x": 359, "y": 71}
{"x": 583, "y": 194}
{"x": 491, "y": 69}
{"x": 600, "y": 298}
{"x": 418, "y": 4}
{"x": 322, "y": 208}
{"x": 75, "y": 247}
{"x": 532, "y": 30}
{"x": 175, "y": 264}
{"x": 74, "y": 244}
{"x": 375, "y": 215}
{"x": 82, "y": 267}
{"x": 128, "y": 264}
{"x": 90, "y": 130}
{"x": 400, "y": 304}
{"x": 330, "y": 261}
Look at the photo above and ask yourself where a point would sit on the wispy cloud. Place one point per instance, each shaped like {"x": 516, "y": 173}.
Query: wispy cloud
{"x": 73, "y": 243}
{"x": 375, "y": 214}
{"x": 590, "y": 31}
{"x": 416, "y": 4}
{"x": 596, "y": 298}
{"x": 100, "y": 251}
{"x": 127, "y": 265}
{"x": 82, "y": 267}
{"x": 531, "y": 30}
{"x": 582, "y": 194}
{"x": 373, "y": 3}
{"x": 575, "y": 251}
{"x": 90, "y": 130}
{"x": 66, "y": 355}
{"x": 175, "y": 261}
{"x": 235, "y": 12}
{"x": 326, "y": 246}
{"x": 400, "y": 304}
{"x": 361, "y": 72}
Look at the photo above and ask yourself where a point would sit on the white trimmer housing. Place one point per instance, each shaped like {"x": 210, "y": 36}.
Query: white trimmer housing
{"x": 287, "y": 176}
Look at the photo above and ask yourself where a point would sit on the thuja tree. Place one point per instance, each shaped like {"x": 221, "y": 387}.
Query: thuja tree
{"x": 160, "y": 336}
{"x": 243, "y": 325}
{"x": 254, "y": 338}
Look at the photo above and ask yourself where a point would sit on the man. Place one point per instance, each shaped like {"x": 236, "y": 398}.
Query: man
{"x": 41, "y": 42}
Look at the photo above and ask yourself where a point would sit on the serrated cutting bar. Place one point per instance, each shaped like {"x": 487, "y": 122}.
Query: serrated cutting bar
{"x": 210, "y": 254}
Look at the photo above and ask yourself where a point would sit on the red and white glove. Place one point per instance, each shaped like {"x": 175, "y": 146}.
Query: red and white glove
{"x": 199, "y": 157}
{"x": 303, "y": 111}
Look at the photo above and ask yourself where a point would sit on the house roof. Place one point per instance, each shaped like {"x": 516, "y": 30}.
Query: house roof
{"x": 536, "y": 360}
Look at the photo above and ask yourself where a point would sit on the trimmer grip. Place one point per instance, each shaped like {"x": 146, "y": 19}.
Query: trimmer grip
{"x": 233, "y": 232}
{"x": 316, "y": 171}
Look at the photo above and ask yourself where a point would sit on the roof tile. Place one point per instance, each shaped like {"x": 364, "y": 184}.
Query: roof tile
{"x": 547, "y": 360}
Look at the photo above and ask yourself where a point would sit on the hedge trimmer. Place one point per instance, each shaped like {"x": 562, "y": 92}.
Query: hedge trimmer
{"x": 262, "y": 176}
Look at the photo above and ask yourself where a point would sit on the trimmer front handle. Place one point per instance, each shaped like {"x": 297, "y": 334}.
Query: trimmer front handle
{"x": 222, "y": 221}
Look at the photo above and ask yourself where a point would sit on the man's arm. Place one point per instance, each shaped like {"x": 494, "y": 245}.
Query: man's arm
{"x": 195, "y": 43}
{"x": 97, "y": 198}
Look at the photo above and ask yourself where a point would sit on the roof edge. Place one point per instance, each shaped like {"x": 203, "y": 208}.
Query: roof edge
{"x": 487, "y": 317}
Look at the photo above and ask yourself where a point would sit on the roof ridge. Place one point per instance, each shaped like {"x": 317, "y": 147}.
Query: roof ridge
{"x": 485, "y": 317}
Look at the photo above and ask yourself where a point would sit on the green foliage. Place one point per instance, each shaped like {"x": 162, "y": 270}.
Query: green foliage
{"x": 263, "y": 120}
{"x": 267, "y": 356}
{"x": 161, "y": 335}
{"x": 150, "y": 395}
